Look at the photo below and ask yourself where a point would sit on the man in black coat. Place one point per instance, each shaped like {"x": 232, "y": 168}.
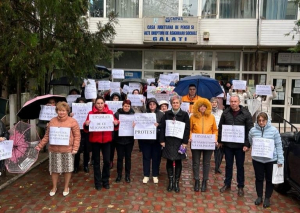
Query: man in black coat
{"x": 236, "y": 116}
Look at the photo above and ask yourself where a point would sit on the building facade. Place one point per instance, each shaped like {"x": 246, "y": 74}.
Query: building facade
{"x": 225, "y": 39}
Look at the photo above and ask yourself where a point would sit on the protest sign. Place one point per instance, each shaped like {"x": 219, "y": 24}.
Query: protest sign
{"x": 150, "y": 80}
{"x": 72, "y": 98}
{"x": 126, "y": 125}
{"x": 47, "y": 113}
{"x": 203, "y": 141}
{"x": 136, "y": 100}
{"x": 114, "y": 105}
{"x": 144, "y": 126}
{"x": 263, "y": 90}
{"x": 101, "y": 122}
{"x": 164, "y": 80}
{"x": 262, "y": 147}
{"x": 90, "y": 90}
{"x": 185, "y": 106}
{"x": 59, "y": 136}
{"x": 150, "y": 91}
{"x": 118, "y": 74}
{"x": 239, "y": 84}
{"x": 233, "y": 133}
{"x": 80, "y": 111}
{"x": 227, "y": 99}
{"x": 103, "y": 85}
{"x": 174, "y": 129}
{"x": 162, "y": 97}
{"x": 6, "y": 149}
{"x": 126, "y": 89}
{"x": 115, "y": 87}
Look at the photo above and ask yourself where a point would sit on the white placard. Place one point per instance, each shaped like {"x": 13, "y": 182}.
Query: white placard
{"x": 103, "y": 85}
{"x": 59, "y": 136}
{"x": 90, "y": 90}
{"x": 72, "y": 98}
{"x": 136, "y": 100}
{"x": 125, "y": 126}
{"x": 185, "y": 106}
{"x": 126, "y": 89}
{"x": 144, "y": 126}
{"x": 227, "y": 99}
{"x": 80, "y": 111}
{"x": 165, "y": 80}
{"x": 115, "y": 87}
{"x": 233, "y": 133}
{"x": 262, "y": 147}
{"x": 133, "y": 86}
{"x": 217, "y": 118}
{"x": 114, "y": 105}
{"x": 118, "y": 74}
{"x": 297, "y": 83}
{"x": 238, "y": 84}
{"x": 150, "y": 91}
{"x": 101, "y": 122}
{"x": 150, "y": 80}
{"x": 6, "y": 149}
{"x": 175, "y": 76}
{"x": 203, "y": 141}
{"x": 162, "y": 97}
{"x": 175, "y": 129}
{"x": 296, "y": 90}
{"x": 221, "y": 95}
{"x": 47, "y": 113}
{"x": 263, "y": 90}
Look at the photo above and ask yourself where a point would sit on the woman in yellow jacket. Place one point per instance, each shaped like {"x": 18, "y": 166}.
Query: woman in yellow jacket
{"x": 202, "y": 122}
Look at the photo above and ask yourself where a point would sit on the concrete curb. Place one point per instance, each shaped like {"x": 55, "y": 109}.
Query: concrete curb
{"x": 10, "y": 181}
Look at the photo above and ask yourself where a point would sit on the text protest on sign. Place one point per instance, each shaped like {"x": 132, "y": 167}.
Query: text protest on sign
{"x": 175, "y": 129}
{"x": 6, "y": 149}
{"x": 101, "y": 123}
{"x": 47, "y": 113}
{"x": 80, "y": 111}
{"x": 144, "y": 126}
{"x": 126, "y": 125}
{"x": 262, "y": 147}
{"x": 203, "y": 141}
{"x": 59, "y": 135}
{"x": 233, "y": 133}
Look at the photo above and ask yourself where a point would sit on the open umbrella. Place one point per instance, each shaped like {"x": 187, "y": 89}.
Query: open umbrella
{"x": 133, "y": 80}
{"x": 24, "y": 153}
{"x": 253, "y": 105}
{"x": 206, "y": 87}
{"x": 32, "y": 108}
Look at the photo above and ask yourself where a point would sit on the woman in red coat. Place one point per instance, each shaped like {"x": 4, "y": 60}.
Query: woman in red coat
{"x": 100, "y": 140}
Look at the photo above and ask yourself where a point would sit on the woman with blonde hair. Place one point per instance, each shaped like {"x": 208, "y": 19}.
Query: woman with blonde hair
{"x": 61, "y": 157}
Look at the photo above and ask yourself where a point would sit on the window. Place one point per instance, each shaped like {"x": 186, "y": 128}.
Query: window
{"x": 253, "y": 80}
{"x": 124, "y": 8}
{"x": 184, "y": 60}
{"x": 209, "y": 8}
{"x": 129, "y": 60}
{"x": 295, "y": 68}
{"x": 275, "y": 67}
{"x": 279, "y": 9}
{"x": 228, "y": 61}
{"x": 227, "y": 77}
{"x": 189, "y": 7}
{"x": 255, "y": 61}
{"x": 159, "y": 60}
{"x": 160, "y": 8}
{"x": 96, "y": 8}
{"x": 203, "y": 61}
{"x": 237, "y": 9}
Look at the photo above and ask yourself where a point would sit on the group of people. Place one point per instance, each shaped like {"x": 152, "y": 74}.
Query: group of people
{"x": 203, "y": 117}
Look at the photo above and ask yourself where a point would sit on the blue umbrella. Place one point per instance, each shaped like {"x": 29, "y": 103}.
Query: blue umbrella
{"x": 206, "y": 87}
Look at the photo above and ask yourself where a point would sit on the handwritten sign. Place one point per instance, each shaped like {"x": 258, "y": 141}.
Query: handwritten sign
{"x": 263, "y": 90}
{"x": 103, "y": 85}
{"x": 203, "y": 141}
{"x": 175, "y": 129}
{"x": 150, "y": 91}
{"x": 165, "y": 80}
{"x": 136, "y": 100}
{"x": 118, "y": 74}
{"x": 125, "y": 126}
{"x": 126, "y": 89}
{"x": 47, "y": 113}
{"x": 101, "y": 123}
{"x": 114, "y": 105}
{"x": 115, "y": 87}
{"x": 6, "y": 149}
{"x": 72, "y": 98}
{"x": 80, "y": 111}
{"x": 144, "y": 126}
{"x": 59, "y": 136}
{"x": 233, "y": 133}
{"x": 134, "y": 86}
{"x": 162, "y": 97}
{"x": 238, "y": 84}
{"x": 262, "y": 147}
{"x": 90, "y": 90}
{"x": 150, "y": 80}
{"x": 185, "y": 106}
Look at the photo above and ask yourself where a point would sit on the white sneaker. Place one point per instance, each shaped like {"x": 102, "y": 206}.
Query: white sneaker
{"x": 155, "y": 180}
{"x": 146, "y": 179}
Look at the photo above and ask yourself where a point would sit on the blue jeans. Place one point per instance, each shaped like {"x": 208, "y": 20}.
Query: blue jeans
{"x": 151, "y": 152}
{"x": 239, "y": 155}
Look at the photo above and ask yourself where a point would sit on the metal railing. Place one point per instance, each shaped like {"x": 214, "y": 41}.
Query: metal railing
{"x": 283, "y": 121}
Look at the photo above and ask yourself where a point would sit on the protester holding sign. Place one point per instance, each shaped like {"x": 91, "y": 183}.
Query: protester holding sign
{"x": 236, "y": 122}
{"x": 243, "y": 95}
{"x": 172, "y": 139}
{"x": 192, "y": 97}
{"x": 100, "y": 140}
{"x": 124, "y": 144}
{"x": 61, "y": 157}
{"x": 151, "y": 148}
{"x": 202, "y": 122}
{"x": 263, "y": 166}
{"x": 4, "y": 135}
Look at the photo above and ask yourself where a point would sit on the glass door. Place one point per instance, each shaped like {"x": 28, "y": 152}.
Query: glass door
{"x": 293, "y": 100}
{"x": 280, "y": 102}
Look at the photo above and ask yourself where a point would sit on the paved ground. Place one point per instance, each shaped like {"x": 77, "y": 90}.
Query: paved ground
{"x": 30, "y": 193}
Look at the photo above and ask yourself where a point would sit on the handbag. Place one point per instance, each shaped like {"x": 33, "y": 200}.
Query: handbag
{"x": 278, "y": 175}
{"x": 182, "y": 150}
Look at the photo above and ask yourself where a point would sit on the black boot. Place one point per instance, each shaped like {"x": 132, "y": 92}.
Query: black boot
{"x": 119, "y": 177}
{"x": 197, "y": 185}
{"x": 204, "y": 186}
{"x": 170, "y": 187}
{"x": 176, "y": 186}
{"x": 266, "y": 203}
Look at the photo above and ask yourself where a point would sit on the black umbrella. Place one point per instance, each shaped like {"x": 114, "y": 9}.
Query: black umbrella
{"x": 219, "y": 152}
{"x": 133, "y": 80}
{"x": 64, "y": 81}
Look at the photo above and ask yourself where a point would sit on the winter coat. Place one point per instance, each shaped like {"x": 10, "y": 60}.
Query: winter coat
{"x": 187, "y": 98}
{"x": 203, "y": 123}
{"x": 99, "y": 137}
{"x": 243, "y": 118}
{"x": 159, "y": 116}
{"x": 269, "y": 132}
{"x": 115, "y": 94}
{"x": 172, "y": 144}
{"x": 74, "y": 140}
{"x": 122, "y": 139}
{"x": 266, "y": 104}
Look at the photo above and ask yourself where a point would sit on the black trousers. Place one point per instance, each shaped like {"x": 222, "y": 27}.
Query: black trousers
{"x": 124, "y": 151}
{"x": 85, "y": 149}
{"x": 170, "y": 168}
{"x": 263, "y": 171}
{"x": 98, "y": 177}
{"x": 112, "y": 150}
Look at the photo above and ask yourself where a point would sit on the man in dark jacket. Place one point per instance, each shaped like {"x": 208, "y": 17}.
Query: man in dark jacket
{"x": 235, "y": 117}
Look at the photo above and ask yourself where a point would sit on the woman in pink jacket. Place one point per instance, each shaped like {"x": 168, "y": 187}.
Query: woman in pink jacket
{"x": 61, "y": 154}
